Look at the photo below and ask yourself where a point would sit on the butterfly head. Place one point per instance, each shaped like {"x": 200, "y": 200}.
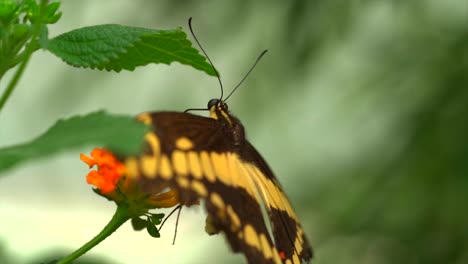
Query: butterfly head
{"x": 219, "y": 110}
{"x": 217, "y": 103}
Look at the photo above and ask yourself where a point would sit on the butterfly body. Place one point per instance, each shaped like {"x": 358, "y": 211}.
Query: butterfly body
{"x": 209, "y": 158}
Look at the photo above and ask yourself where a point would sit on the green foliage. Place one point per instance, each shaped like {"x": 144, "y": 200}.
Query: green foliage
{"x": 20, "y": 26}
{"x": 138, "y": 224}
{"x": 150, "y": 223}
{"x": 7, "y": 9}
{"x": 117, "y": 47}
{"x": 152, "y": 229}
{"x": 121, "y": 134}
{"x": 52, "y": 16}
{"x": 156, "y": 218}
{"x": 34, "y": 14}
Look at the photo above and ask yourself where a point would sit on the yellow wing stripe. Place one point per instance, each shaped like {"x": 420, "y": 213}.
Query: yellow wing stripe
{"x": 295, "y": 258}
{"x": 206, "y": 165}
{"x": 272, "y": 195}
{"x": 265, "y": 246}
{"x": 240, "y": 177}
{"x": 217, "y": 200}
{"x": 145, "y": 118}
{"x": 149, "y": 166}
{"x": 153, "y": 142}
{"x": 299, "y": 240}
{"x": 194, "y": 164}
{"x": 251, "y": 237}
{"x": 179, "y": 161}
{"x": 131, "y": 168}
{"x": 165, "y": 169}
{"x": 184, "y": 143}
{"x": 220, "y": 167}
{"x": 183, "y": 182}
{"x": 199, "y": 188}
{"x": 235, "y": 220}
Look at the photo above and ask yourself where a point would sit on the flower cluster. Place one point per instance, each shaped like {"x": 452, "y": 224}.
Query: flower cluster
{"x": 109, "y": 170}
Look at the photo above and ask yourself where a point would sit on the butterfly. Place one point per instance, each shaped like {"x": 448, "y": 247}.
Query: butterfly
{"x": 210, "y": 159}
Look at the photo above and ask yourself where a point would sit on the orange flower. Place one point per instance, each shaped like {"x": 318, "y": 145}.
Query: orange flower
{"x": 108, "y": 173}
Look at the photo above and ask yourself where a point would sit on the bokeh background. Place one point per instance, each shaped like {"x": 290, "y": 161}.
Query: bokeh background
{"x": 360, "y": 107}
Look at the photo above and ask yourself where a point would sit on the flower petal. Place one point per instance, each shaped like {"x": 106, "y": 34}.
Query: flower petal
{"x": 87, "y": 160}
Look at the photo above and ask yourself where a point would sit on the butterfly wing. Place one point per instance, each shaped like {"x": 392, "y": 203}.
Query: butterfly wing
{"x": 193, "y": 155}
{"x": 289, "y": 237}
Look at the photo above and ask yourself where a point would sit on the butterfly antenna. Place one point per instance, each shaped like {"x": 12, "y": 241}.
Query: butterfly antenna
{"x": 177, "y": 224}
{"x": 195, "y": 109}
{"x": 247, "y": 74}
{"x": 206, "y": 55}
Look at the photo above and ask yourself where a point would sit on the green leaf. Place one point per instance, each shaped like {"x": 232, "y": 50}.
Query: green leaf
{"x": 52, "y": 8}
{"x": 121, "y": 134}
{"x": 152, "y": 230}
{"x": 156, "y": 219}
{"x": 117, "y": 47}
{"x": 51, "y": 17}
{"x": 138, "y": 223}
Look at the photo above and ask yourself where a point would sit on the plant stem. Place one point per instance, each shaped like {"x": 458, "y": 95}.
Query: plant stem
{"x": 122, "y": 214}
{"x": 13, "y": 82}
{"x": 30, "y": 48}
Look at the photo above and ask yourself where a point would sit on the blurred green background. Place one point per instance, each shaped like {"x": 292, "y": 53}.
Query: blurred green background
{"x": 360, "y": 107}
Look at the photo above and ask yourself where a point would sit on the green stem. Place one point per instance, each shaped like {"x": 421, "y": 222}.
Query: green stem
{"x": 122, "y": 214}
{"x": 11, "y": 86}
{"x": 30, "y": 48}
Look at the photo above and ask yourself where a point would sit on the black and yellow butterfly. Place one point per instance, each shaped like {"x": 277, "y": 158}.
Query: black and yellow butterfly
{"x": 209, "y": 158}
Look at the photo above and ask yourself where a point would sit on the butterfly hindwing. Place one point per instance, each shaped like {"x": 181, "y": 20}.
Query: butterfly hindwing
{"x": 288, "y": 234}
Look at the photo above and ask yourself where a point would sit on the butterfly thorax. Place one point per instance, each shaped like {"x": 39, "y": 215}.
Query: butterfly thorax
{"x": 233, "y": 127}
